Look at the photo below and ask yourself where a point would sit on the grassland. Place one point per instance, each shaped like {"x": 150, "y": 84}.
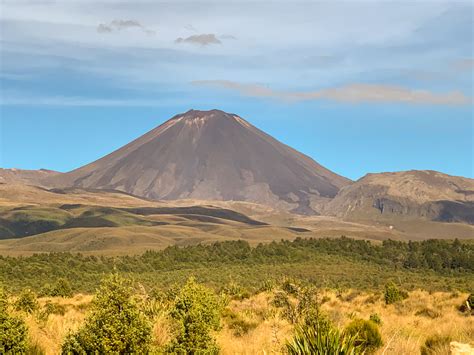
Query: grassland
{"x": 263, "y": 328}
{"x": 92, "y": 222}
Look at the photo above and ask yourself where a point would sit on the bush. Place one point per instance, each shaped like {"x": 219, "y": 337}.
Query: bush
{"x": 241, "y": 326}
{"x": 393, "y": 294}
{"x": 428, "y": 312}
{"x": 236, "y": 292}
{"x": 51, "y": 308}
{"x": 115, "y": 324}
{"x": 267, "y": 286}
{"x": 13, "y": 331}
{"x": 280, "y": 299}
{"x": 374, "y": 317}
{"x": 468, "y": 306}
{"x": 367, "y": 334}
{"x": 308, "y": 340}
{"x": 436, "y": 344}
{"x": 197, "y": 311}
{"x": 470, "y": 301}
{"x": 27, "y": 301}
{"x": 62, "y": 288}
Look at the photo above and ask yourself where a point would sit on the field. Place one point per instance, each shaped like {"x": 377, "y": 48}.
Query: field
{"x": 263, "y": 328}
{"x": 91, "y": 222}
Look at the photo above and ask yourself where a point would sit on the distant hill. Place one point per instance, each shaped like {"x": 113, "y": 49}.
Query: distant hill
{"x": 29, "y": 177}
{"x": 211, "y": 155}
{"x": 409, "y": 194}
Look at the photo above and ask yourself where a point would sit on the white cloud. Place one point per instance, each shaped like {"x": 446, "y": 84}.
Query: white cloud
{"x": 119, "y": 25}
{"x": 348, "y": 93}
{"x": 78, "y": 101}
{"x": 202, "y": 39}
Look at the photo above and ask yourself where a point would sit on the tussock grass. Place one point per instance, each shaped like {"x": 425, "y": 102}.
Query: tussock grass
{"x": 403, "y": 330}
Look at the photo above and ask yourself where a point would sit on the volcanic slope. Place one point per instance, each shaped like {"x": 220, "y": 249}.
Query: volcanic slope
{"x": 211, "y": 155}
{"x": 415, "y": 194}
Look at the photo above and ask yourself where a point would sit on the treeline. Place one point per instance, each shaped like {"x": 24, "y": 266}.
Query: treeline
{"x": 317, "y": 260}
{"x": 438, "y": 255}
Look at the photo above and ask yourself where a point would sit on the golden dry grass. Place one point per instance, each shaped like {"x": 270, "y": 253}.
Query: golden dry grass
{"x": 403, "y": 330}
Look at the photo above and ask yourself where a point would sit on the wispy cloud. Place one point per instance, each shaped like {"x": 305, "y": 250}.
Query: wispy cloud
{"x": 226, "y": 36}
{"x": 202, "y": 39}
{"x": 77, "y": 101}
{"x": 466, "y": 64}
{"x": 119, "y": 25}
{"x": 354, "y": 93}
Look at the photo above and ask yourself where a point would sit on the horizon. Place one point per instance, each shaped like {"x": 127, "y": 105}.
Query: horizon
{"x": 358, "y": 87}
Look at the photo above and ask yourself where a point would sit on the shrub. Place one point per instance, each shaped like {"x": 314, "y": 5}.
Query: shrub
{"x": 13, "y": 331}
{"x": 267, "y": 286}
{"x": 308, "y": 340}
{"x": 290, "y": 287}
{"x": 197, "y": 311}
{"x": 367, "y": 334}
{"x": 468, "y": 306}
{"x": 393, "y": 294}
{"x": 62, "y": 288}
{"x": 235, "y": 291}
{"x": 51, "y": 308}
{"x": 114, "y": 325}
{"x": 428, "y": 312}
{"x": 470, "y": 301}
{"x": 27, "y": 301}
{"x": 280, "y": 299}
{"x": 436, "y": 344}
{"x": 241, "y": 326}
{"x": 374, "y": 317}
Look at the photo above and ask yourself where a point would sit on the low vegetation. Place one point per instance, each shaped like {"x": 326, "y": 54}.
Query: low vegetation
{"x": 124, "y": 317}
{"x": 313, "y": 296}
{"x": 335, "y": 263}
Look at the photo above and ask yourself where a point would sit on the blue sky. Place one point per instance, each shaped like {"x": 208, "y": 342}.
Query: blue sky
{"x": 359, "y": 86}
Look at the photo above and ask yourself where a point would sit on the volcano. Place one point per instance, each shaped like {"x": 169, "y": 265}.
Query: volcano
{"x": 210, "y": 155}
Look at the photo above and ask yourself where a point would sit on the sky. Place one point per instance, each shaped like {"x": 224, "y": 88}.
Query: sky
{"x": 360, "y": 86}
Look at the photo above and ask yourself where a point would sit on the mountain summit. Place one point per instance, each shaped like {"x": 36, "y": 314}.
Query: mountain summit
{"x": 211, "y": 155}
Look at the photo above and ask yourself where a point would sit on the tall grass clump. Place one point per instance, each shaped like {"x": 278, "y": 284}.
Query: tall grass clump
{"x": 308, "y": 340}
{"x": 367, "y": 334}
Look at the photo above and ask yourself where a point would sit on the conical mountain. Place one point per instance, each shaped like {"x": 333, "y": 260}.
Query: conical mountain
{"x": 210, "y": 155}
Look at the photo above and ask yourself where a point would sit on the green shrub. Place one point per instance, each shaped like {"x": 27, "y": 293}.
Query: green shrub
{"x": 470, "y": 301}
{"x": 236, "y": 292}
{"x": 241, "y": 326}
{"x": 197, "y": 311}
{"x": 62, "y": 288}
{"x": 13, "y": 331}
{"x": 367, "y": 334}
{"x": 468, "y": 305}
{"x": 27, "y": 301}
{"x": 290, "y": 287}
{"x": 51, "y": 308}
{"x": 374, "y": 317}
{"x": 308, "y": 340}
{"x": 114, "y": 325}
{"x": 393, "y": 294}
{"x": 436, "y": 344}
{"x": 280, "y": 299}
{"x": 267, "y": 286}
